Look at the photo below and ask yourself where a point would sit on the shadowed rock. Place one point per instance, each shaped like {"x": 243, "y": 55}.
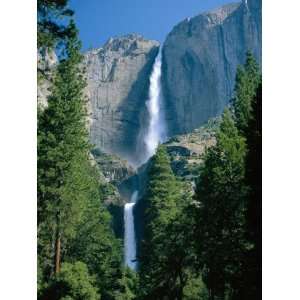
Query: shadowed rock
{"x": 200, "y": 58}
{"x": 118, "y": 80}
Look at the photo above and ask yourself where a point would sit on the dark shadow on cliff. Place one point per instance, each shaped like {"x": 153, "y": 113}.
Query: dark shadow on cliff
{"x": 135, "y": 117}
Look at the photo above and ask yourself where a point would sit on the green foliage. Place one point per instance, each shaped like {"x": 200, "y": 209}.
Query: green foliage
{"x": 228, "y": 213}
{"x": 71, "y": 212}
{"x": 247, "y": 106}
{"x": 129, "y": 283}
{"x": 221, "y": 192}
{"x": 195, "y": 289}
{"x": 62, "y": 151}
{"x": 96, "y": 246}
{"x": 72, "y": 283}
{"x": 247, "y": 81}
{"x": 50, "y": 27}
{"x": 253, "y": 262}
{"x": 62, "y": 144}
{"x": 164, "y": 251}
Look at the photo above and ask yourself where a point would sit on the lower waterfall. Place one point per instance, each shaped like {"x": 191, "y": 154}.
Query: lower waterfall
{"x": 154, "y": 135}
{"x": 129, "y": 236}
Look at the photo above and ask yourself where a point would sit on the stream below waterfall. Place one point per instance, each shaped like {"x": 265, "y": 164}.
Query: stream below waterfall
{"x": 154, "y": 135}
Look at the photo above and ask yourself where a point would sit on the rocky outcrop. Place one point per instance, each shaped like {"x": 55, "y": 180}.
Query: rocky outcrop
{"x": 46, "y": 62}
{"x": 114, "y": 169}
{"x": 186, "y": 151}
{"x": 118, "y": 80}
{"x": 200, "y": 57}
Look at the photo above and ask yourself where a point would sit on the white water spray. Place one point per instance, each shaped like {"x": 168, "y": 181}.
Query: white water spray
{"x": 156, "y": 132}
{"x": 129, "y": 237}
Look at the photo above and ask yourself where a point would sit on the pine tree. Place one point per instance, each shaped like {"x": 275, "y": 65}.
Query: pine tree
{"x": 253, "y": 264}
{"x": 163, "y": 251}
{"x": 73, "y": 282}
{"x": 96, "y": 246}
{"x": 50, "y": 29}
{"x": 221, "y": 196}
{"x": 228, "y": 219}
{"x": 74, "y": 226}
{"x": 62, "y": 148}
{"x": 247, "y": 108}
{"x": 247, "y": 80}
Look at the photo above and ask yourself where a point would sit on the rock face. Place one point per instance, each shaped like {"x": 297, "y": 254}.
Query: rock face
{"x": 118, "y": 80}
{"x": 200, "y": 57}
{"x": 46, "y": 63}
{"x": 114, "y": 169}
{"x": 186, "y": 151}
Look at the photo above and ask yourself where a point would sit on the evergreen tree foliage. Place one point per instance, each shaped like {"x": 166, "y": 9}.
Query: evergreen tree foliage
{"x": 96, "y": 246}
{"x": 228, "y": 217}
{"x": 247, "y": 81}
{"x": 129, "y": 285}
{"x": 253, "y": 267}
{"x": 221, "y": 193}
{"x": 195, "y": 288}
{"x": 163, "y": 250}
{"x": 72, "y": 283}
{"x": 248, "y": 114}
{"x": 73, "y": 224}
{"x": 62, "y": 147}
{"x": 50, "y": 27}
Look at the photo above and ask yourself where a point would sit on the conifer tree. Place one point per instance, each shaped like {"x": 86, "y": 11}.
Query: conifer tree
{"x": 95, "y": 245}
{"x": 73, "y": 223}
{"x": 253, "y": 264}
{"x": 73, "y": 282}
{"x": 163, "y": 251}
{"x": 221, "y": 196}
{"x": 247, "y": 80}
{"x": 247, "y": 108}
{"x": 50, "y": 29}
{"x": 62, "y": 143}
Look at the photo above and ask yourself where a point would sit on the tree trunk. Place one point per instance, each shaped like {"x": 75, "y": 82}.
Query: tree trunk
{"x": 57, "y": 244}
{"x": 57, "y": 254}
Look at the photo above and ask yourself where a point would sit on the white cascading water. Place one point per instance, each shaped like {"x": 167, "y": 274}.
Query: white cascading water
{"x": 155, "y": 134}
{"x": 129, "y": 237}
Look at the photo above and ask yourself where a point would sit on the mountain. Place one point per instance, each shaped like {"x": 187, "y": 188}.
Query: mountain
{"x": 200, "y": 57}
{"x": 118, "y": 79}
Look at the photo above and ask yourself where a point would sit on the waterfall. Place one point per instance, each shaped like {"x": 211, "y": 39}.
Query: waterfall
{"x": 155, "y": 133}
{"x": 129, "y": 237}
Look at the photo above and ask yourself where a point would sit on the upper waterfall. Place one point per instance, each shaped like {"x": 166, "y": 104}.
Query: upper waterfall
{"x": 156, "y": 131}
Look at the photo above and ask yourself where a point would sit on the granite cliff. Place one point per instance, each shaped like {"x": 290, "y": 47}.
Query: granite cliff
{"x": 200, "y": 57}
{"x": 118, "y": 80}
{"x": 46, "y": 62}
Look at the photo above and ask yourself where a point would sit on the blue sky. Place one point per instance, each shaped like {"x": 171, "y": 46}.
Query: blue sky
{"x": 98, "y": 20}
